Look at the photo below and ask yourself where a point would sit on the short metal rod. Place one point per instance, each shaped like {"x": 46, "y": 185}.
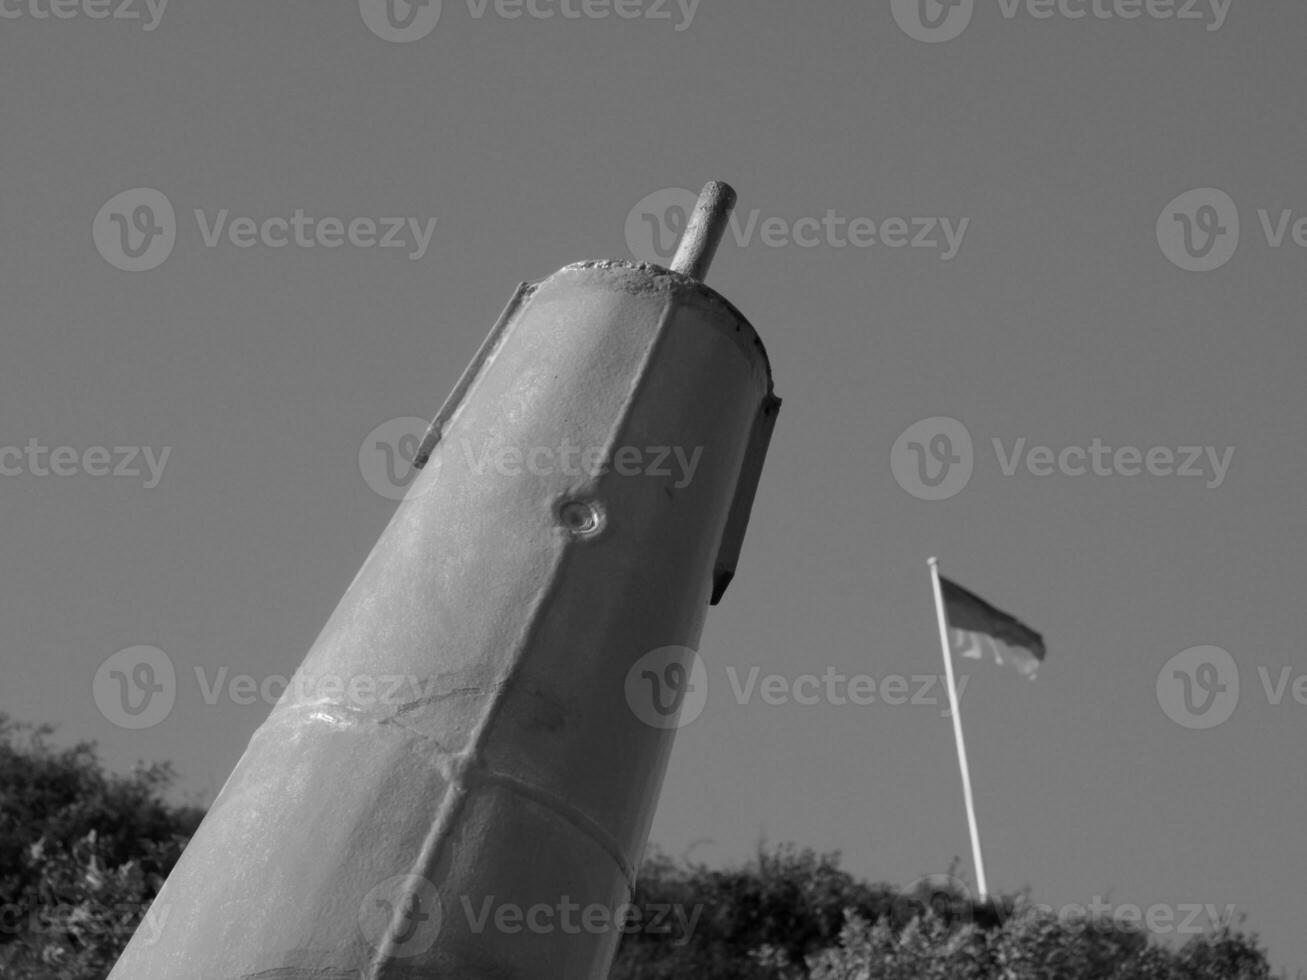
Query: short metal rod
{"x": 704, "y": 230}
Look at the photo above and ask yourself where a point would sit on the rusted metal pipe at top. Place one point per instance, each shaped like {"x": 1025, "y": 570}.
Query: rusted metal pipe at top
{"x": 704, "y": 230}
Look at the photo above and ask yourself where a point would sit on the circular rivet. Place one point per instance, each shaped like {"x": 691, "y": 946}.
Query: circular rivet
{"x": 581, "y": 516}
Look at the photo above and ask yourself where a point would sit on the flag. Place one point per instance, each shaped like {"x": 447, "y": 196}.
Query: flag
{"x": 976, "y": 627}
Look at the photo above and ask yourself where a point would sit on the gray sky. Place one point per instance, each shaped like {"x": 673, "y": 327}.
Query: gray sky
{"x": 1052, "y": 148}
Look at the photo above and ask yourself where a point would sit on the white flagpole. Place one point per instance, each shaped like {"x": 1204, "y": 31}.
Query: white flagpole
{"x": 957, "y": 729}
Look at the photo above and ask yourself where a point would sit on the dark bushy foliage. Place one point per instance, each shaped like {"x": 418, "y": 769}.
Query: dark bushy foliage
{"x": 82, "y": 854}
{"x": 1032, "y": 945}
{"x": 752, "y": 922}
{"x": 791, "y": 915}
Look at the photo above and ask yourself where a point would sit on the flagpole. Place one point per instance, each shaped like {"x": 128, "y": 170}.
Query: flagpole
{"x": 942, "y": 619}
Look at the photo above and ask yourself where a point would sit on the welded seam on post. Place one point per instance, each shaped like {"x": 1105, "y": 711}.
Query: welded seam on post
{"x": 460, "y": 764}
{"x": 579, "y": 819}
{"x": 470, "y": 759}
{"x": 670, "y": 307}
{"x": 475, "y": 767}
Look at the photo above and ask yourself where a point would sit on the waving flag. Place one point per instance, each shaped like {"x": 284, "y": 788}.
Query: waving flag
{"x": 977, "y": 628}
{"x": 970, "y": 625}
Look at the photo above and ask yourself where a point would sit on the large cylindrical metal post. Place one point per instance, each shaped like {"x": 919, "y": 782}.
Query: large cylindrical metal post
{"x": 467, "y": 734}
